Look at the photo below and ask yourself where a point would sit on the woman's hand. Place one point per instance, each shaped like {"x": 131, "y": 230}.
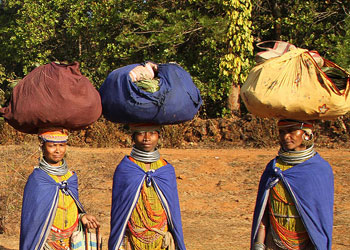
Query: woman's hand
{"x": 90, "y": 221}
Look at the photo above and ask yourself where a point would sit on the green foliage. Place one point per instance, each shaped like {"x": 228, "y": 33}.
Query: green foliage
{"x": 342, "y": 50}
{"x": 314, "y": 25}
{"x": 234, "y": 65}
{"x": 6, "y": 85}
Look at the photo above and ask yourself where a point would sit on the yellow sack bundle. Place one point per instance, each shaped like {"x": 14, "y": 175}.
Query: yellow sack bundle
{"x": 293, "y": 86}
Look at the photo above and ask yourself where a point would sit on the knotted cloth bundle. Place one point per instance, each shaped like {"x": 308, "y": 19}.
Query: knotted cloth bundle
{"x": 53, "y": 95}
{"x": 294, "y": 86}
{"x": 176, "y": 101}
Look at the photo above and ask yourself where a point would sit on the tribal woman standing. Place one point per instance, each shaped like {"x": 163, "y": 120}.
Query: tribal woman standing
{"x": 294, "y": 206}
{"x": 145, "y": 205}
{"x": 51, "y": 209}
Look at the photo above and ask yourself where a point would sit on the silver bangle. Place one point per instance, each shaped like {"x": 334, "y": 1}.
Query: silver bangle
{"x": 81, "y": 215}
{"x": 259, "y": 246}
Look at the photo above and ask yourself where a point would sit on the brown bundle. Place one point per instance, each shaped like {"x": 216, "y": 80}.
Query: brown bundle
{"x": 53, "y": 95}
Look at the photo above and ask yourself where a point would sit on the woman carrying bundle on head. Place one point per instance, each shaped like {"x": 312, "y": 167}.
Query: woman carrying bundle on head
{"x": 294, "y": 206}
{"x": 51, "y": 209}
{"x": 145, "y": 205}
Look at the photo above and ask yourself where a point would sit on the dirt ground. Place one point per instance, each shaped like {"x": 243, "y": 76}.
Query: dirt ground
{"x": 217, "y": 190}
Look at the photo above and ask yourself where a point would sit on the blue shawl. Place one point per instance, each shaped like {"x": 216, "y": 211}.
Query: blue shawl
{"x": 311, "y": 185}
{"x": 39, "y": 206}
{"x": 127, "y": 182}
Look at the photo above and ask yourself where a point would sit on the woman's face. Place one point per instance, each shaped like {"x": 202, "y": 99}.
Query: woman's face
{"x": 146, "y": 141}
{"x": 54, "y": 152}
{"x": 291, "y": 139}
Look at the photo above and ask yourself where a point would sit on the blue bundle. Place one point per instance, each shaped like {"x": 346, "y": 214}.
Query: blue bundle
{"x": 176, "y": 101}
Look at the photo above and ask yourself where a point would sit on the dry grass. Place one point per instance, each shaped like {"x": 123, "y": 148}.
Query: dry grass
{"x": 14, "y": 162}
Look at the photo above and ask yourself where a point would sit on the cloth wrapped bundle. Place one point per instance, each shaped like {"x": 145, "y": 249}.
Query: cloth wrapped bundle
{"x": 293, "y": 86}
{"x": 272, "y": 49}
{"x": 143, "y": 72}
{"x": 176, "y": 101}
{"x": 53, "y": 95}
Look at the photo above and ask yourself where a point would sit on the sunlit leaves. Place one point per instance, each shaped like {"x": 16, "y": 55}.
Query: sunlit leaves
{"x": 235, "y": 63}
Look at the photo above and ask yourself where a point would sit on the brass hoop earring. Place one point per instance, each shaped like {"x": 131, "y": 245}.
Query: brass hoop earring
{"x": 309, "y": 141}
{"x": 309, "y": 138}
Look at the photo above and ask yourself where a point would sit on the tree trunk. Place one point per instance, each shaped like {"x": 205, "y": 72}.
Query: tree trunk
{"x": 276, "y": 12}
{"x": 233, "y": 99}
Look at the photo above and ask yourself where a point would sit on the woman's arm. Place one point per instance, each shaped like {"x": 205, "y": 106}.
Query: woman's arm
{"x": 259, "y": 243}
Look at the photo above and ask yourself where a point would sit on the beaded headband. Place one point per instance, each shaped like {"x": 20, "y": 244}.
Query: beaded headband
{"x": 57, "y": 135}
{"x": 287, "y": 123}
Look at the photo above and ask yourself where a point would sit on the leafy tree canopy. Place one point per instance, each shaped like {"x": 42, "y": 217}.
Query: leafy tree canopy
{"x": 313, "y": 24}
{"x": 213, "y": 39}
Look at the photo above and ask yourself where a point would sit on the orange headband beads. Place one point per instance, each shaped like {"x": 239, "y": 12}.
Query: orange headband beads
{"x": 56, "y": 135}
